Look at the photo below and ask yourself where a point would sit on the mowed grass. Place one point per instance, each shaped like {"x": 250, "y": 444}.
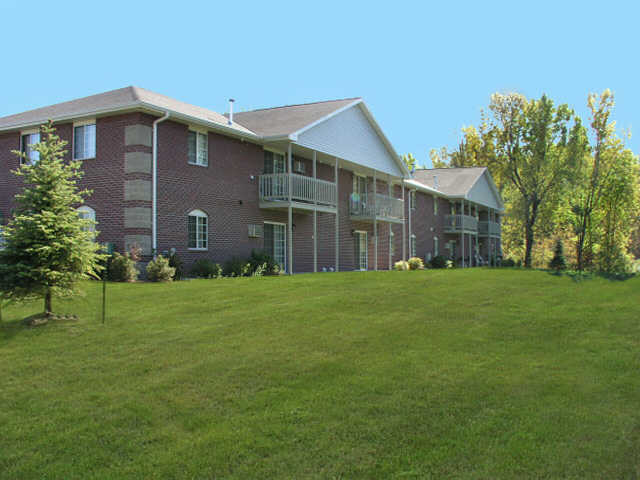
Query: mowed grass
{"x": 473, "y": 373}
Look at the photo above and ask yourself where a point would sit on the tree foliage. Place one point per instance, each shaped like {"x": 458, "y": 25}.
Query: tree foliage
{"x": 48, "y": 247}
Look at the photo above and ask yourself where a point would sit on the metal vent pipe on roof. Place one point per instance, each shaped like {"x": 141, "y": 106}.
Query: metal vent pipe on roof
{"x": 231, "y": 100}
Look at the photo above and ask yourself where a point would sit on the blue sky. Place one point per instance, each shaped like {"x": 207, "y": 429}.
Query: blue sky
{"x": 424, "y": 68}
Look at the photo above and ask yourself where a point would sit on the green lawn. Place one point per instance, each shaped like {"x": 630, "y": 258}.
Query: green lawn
{"x": 467, "y": 373}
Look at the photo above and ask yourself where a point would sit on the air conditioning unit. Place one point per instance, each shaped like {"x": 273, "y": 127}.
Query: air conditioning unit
{"x": 255, "y": 231}
{"x": 298, "y": 167}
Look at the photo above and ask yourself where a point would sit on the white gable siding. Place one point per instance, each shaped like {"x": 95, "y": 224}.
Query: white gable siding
{"x": 482, "y": 193}
{"x": 350, "y": 136}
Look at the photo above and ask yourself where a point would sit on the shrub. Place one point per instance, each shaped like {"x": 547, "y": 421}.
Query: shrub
{"x": 122, "y": 268}
{"x": 158, "y": 270}
{"x": 401, "y": 265}
{"x": 440, "y": 262}
{"x": 205, "y": 268}
{"x": 176, "y": 263}
{"x": 558, "y": 262}
{"x": 508, "y": 262}
{"x": 262, "y": 262}
{"x": 415, "y": 263}
{"x": 236, "y": 267}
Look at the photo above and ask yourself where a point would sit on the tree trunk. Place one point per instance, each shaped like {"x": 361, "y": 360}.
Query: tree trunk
{"x": 528, "y": 245}
{"x": 47, "y": 302}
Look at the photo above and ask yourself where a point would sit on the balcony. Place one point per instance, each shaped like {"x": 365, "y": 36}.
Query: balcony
{"x": 460, "y": 224}
{"x": 381, "y": 207}
{"x": 489, "y": 229}
{"x": 307, "y": 193}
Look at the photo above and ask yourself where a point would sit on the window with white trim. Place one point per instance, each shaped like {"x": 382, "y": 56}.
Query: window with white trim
{"x": 274, "y": 162}
{"x": 412, "y": 246}
{"x": 436, "y": 248}
{"x": 84, "y": 141}
{"x": 27, "y": 140}
{"x": 197, "y": 229}
{"x": 392, "y": 244}
{"x": 198, "y": 148}
{"x": 435, "y": 205}
{"x": 87, "y": 213}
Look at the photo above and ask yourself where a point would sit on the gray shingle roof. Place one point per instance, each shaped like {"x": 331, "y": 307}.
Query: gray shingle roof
{"x": 288, "y": 119}
{"x": 451, "y": 181}
{"x": 112, "y": 100}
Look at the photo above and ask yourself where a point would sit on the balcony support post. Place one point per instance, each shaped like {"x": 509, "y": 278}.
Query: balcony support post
{"x": 404, "y": 226}
{"x": 390, "y": 227}
{"x": 290, "y": 213}
{"x": 315, "y": 215}
{"x": 375, "y": 221}
{"x": 462, "y": 231}
{"x": 410, "y": 225}
{"x": 337, "y": 218}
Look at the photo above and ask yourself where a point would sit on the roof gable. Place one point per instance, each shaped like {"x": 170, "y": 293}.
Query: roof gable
{"x": 284, "y": 121}
{"x": 353, "y": 135}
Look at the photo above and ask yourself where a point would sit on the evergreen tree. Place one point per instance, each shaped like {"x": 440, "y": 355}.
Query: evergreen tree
{"x": 558, "y": 262}
{"x": 48, "y": 247}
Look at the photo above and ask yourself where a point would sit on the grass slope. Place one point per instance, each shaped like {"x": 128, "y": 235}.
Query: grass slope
{"x": 469, "y": 373}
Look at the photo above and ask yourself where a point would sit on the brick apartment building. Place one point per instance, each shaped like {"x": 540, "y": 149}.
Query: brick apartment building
{"x": 318, "y": 186}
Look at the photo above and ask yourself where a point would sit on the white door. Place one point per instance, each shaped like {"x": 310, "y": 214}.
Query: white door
{"x": 361, "y": 250}
{"x": 275, "y": 243}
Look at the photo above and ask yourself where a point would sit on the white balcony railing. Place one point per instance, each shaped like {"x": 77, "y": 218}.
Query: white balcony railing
{"x": 275, "y": 187}
{"x": 459, "y": 223}
{"x": 489, "y": 228}
{"x": 384, "y": 206}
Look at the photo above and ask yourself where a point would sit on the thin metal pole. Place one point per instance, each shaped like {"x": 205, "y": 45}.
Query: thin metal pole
{"x": 290, "y": 212}
{"x": 375, "y": 221}
{"x": 337, "y": 218}
{"x": 315, "y": 215}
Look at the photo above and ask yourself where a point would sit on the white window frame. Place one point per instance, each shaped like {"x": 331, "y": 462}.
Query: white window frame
{"x": 87, "y": 213}
{"x": 276, "y": 152}
{"x": 392, "y": 244}
{"x": 199, "y": 142}
{"x": 286, "y": 254}
{"x": 435, "y": 205}
{"x": 412, "y": 245}
{"x": 33, "y": 131}
{"x": 80, "y": 124}
{"x": 436, "y": 247}
{"x": 198, "y": 214}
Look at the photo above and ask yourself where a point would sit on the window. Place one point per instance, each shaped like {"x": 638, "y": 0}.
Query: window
{"x": 361, "y": 250}
{"x": 87, "y": 213}
{"x": 435, "y": 205}
{"x": 412, "y": 199}
{"x": 436, "y": 249}
{"x": 84, "y": 142}
{"x": 412, "y": 246}
{"x": 274, "y": 162}
{"x": 392, "y": 244}
{"x": 198, "y": 148}
{"x": 197, "y": 230}
{"x": 27, "y": 140}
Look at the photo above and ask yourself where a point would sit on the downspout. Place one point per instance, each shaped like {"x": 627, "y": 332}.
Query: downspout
{"x": 154, "y": 186}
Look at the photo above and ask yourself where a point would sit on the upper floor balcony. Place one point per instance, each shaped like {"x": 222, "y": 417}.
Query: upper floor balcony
{"x": 367, "y": 207}
{"x": 307, "y": 193}
{"x": 489, "y": 229}
{"x": 460, "y": 224}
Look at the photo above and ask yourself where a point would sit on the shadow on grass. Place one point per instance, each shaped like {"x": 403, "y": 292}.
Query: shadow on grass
{"x": 582, "y": 276}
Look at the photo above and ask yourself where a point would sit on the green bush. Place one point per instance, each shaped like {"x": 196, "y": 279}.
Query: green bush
{"x": 508, "y": 262}
{"x": 176, "y": 263}
{"x": 122, "y": 268}
{"x": 401, "y": 265}
{"x": 158, "y": 270}
{"x": 236, "y": 267}
{"x": 261, "y": 263}
{"x": 205, "y": 268}
{"x": 558, "y": 262}
{"x": 415, "y": 263}
{"x": 440, "y": 261}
